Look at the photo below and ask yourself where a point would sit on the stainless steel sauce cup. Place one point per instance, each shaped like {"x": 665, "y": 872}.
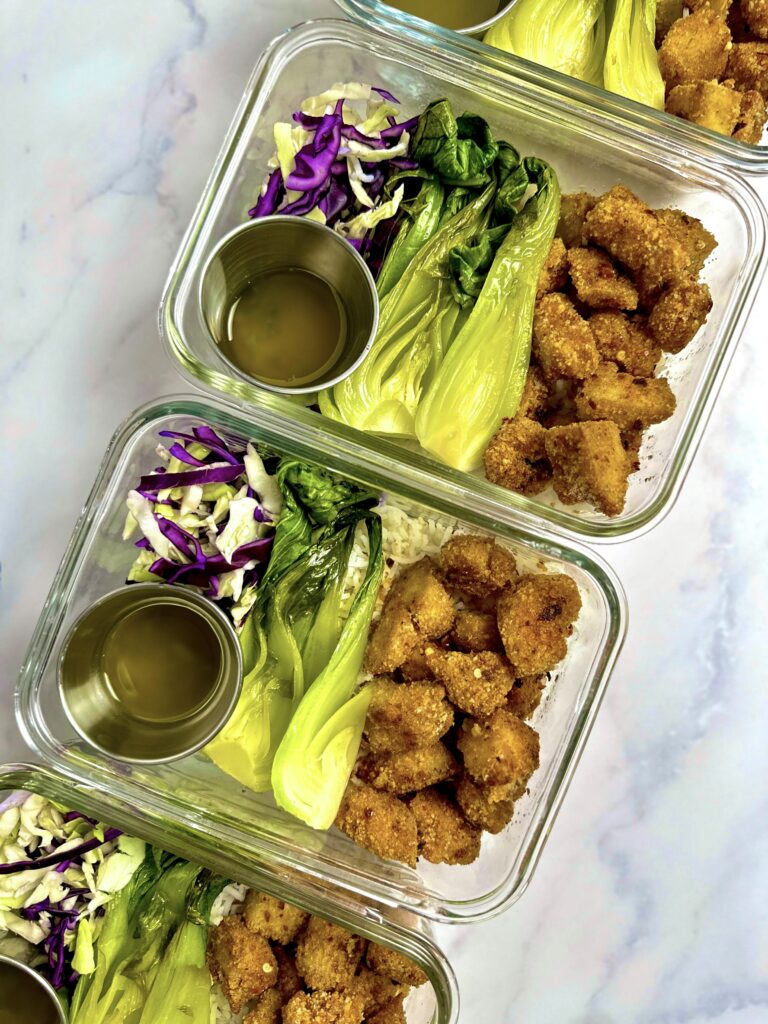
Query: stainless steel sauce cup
{"x": 292, "y": 243}
{"x": 8, "y": 963}
{"x": 103, "y": 720}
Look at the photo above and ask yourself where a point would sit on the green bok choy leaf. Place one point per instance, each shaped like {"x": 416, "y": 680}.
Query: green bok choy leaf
{"x": 631, "y": 63}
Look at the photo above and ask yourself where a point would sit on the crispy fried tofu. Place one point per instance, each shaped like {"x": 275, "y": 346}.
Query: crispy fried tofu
{"x": 755, "y": 13}
{"x": 573, "y": 211}
{"x": 516, "y": 458}
{"x": 406, "y": 715}
{"x": 692, "y": 235}
{"x": 477, "y": 565}
{"x": 394, "y": 640}
{"x": 476, "y": 631}
{"x": 476, "y": 683}
{"x": 635, "y": 236}
{"x": 554, "y": 273}
{"x": 415, "y": 669}
{"x": 748, "y": 67}
{"x": 631, "y": 402}
{"x": 535, "y": 394}
{"x": 375, "y": 990}
{"x": 752, "y": 117}
{"x": 445, "y": 836}
{"x": 391, "y": 964}
{"x": 535, "y": 619}
{"x": 623, "y": 341}
{"x": 499, "y": 750}
{"x": 408, "y": 770}
{"x": 632, "y": 442}
{"x": 288, "y": 980}
{"x": 695, "y": 48}
{"x": 589, "y": 464}
{"x": 240, "y": 961}
{"x": 267, "y": 1010}
{"x": 324, "y": 1008}
{"x": 563, "y": 344}
{"x": 392, "y": 1013}
{"x": 273, "y": 919}
{"x": 525, "y": 695}
{"x": 480, "y": 810}
{"x": 327, "y": 955}
{"x": 597, "y": 282}
{"x": 709, "y": 104}
{"x": 379, "y": 822}
{"x": 679, "y": 314}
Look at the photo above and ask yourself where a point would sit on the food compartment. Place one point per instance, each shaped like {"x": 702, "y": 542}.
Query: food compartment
{"x": 195, "y": 792}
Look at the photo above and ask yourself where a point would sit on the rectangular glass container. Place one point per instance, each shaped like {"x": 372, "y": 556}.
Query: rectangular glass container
{"x": 435, "y": 1003}
{"x": 194, "y": 793}
{"x": 747, "y": 157}
{"x": 590, "y": 151}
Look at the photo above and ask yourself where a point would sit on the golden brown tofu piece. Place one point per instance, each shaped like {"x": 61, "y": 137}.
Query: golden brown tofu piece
{"x": 589, "y": 464}
{"x": 392, "y": 1013}
{"x": 573, "y": 212}
{"x": 273, "y": 919}
{"x": 415, "y": 669}
{"x": 623, "y": 341}
{"x": 379, "y": 822}
{"x": 515, "y": 457}
{"x": 477, "y": 565}
{"x": 563, "y": 344}
{"x": 375, "y": 990}
{"x": 695, "y": 48}
{"x": 597, "y": 282}
{"x": 324, "y": 1008}
{"x": 240, "y": 961}
{"x": 499, "y": 750}
{"x": 635, "y": 236}
{"x": 554, "y": 273}
{"x": 408, "y": 770}
{"x": 752, "y": 118}
{"x": 535, "y": 620}
{"x": 480, "y": 810}
{"x": 709, "y": 104}
{"x": 748, "y": 67}
{"x": 476, "y": 631}
{"x": 393, "y": 641}
{"x": 535, "y": 394}
{"x": 692, "y": 235}
{"x": 391, "y": 964}
{"x": 476, "y": 683}
{"x": 631, "y": 402}
{"x": 525, "y": 696}
{"x": 755, "y": 13}
{"x": 445, "y": 836}
{"x": 680, "y": 313}
{"x": 288, "y": 980}
{"x": 327, "y": 955}
{"x": 268, "y": 1009}
{"x": 406, "y": 715}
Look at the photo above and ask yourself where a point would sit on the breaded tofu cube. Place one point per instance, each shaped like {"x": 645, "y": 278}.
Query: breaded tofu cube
{"x": 415, "y": 668}
{"x": 623, "y": 341}
{"x": 525, "y": 695}
{"x": 240, "y": 961}
{"x": 392, "y": 1013}
{"x": 484, "y": 813}
{"x": 516, "y": 458}
{"x": 476, "y": 683}
{"x": 408, "y": 770}
{"x": 695, "y": 48}
{"x": 477, "y": 565}
{"x": 573, "y": 211}
{"x": 748, "y": 67}
{"x": 391, "y": 964}
{"x": 393, "y": 640}
{"x": 680, "y": 313}
{"x": 554, "y": 273}
{"x": 632, "y": 233}
{"x": 268, "y": 1009}
{"x": 499, "y": 750}
{"x": 288, "y": 980}
{"x": 720, "y": 8}
{"x": 755, "y": 13}
{"x": 709, "y": 104}
{"x": 692, "y": 235}
{"x": 563, "y": 344}
{"x": 327, "y": 955}
{"x": 375, "y": 990}
{"x": 752, "y": 117}
{"x": 476, "y": 631}
{"x": 445, "y": 836}
{"x": 380, "y": 823}
{"x": 535, "y": 620}
{"x": 589, "y": 464}
{"x": 324, "y": 1008}
{"x": 406, "y": 715}
{"x": 535, "y": 394}
{"x": 597, "y": 282}
{"x": 273, "y": 919}
{"x": 631, "y": 402}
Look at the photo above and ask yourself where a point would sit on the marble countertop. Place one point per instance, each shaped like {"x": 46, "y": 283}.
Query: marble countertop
{"x": 650, "y": 904}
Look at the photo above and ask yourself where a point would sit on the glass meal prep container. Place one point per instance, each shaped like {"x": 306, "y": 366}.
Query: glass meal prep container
{"x": 749, "y": 158}
{"x": 435, "y": 1003}
{"x": 589, "y": 150}
{"x": 194, "y": 793}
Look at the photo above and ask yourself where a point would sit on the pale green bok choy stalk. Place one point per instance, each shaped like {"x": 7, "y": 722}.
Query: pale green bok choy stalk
{"x": 631, "y": 62}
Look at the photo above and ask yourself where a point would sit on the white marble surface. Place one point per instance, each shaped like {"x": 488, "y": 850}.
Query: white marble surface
{"x": 651, "y": 902}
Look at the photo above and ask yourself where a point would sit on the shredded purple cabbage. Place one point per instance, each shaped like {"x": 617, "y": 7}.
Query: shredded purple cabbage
{"x": 52, "y": 859}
